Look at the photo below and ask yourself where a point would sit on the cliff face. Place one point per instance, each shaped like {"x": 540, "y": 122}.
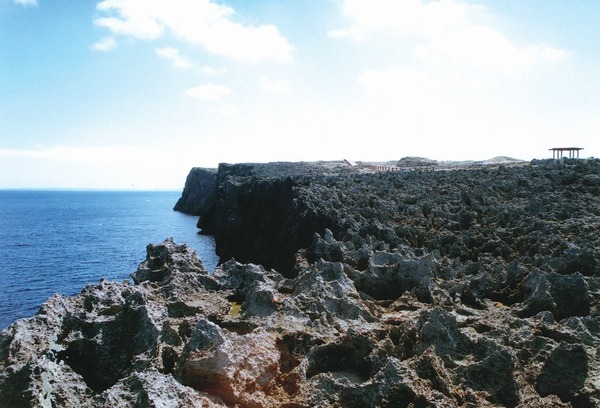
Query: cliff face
{"x": 198, "y": 192}
{"x": 448, "y": 288}
{"x": 265, "y": 213}
{"x": 257, "y": 215}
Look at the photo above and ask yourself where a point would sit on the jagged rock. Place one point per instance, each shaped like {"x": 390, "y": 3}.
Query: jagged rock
{"x": 476, "y": 287}
{"x": 389, "y": 275}
{"x": 392, "y": 386}
{"x": 162, "y": 259}
{"x": 494, "y": 375}
{"x": 563, "y": 295}
{"x": 337, "y": 295}
{"x": 565, "y": 373}
{"x": 237, "y": 369}
{"x": 154, "y": 389}
{"x": 326, "y": 248}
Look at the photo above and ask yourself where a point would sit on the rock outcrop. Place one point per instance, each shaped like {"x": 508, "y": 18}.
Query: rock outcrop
{"x": 256, "y": 215}
{"x": 435, "y": 289}
{"x": 198, "y": 192}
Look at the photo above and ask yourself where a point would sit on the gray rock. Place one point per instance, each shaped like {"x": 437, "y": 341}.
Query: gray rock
{"x": 349, "y": 288}
{"x": 199, "y": 192}
{"x": 563, "y": 295}
{"x": 565, "y": 373}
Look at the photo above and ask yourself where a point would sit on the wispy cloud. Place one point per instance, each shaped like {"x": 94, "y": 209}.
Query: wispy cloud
{"x": 209, "y": 92}
{"x": 407, "y": 17}
{"x": 173, "y": 55}
{"x": 199, "y": 22}
{"x": 26, "y": 2}
{"x": 106, "y": 44}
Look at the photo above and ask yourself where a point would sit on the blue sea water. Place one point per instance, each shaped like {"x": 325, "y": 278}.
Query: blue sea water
{"x": 60, "y": 241}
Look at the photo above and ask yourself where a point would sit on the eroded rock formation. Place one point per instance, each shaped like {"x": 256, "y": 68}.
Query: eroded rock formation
{"x": 425, "y": 289}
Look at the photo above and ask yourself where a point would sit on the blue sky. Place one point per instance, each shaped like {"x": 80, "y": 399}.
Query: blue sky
{"x": 133, "y": 93}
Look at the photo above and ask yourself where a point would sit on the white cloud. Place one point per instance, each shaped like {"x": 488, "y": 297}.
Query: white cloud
{"x": 483, "y": 48}
{"x": 209, "y": 92}
{"x": 280, "y": 86}
{"x": 446, "y": 32}
{"x": 406, "y": 17}
{"x": 196, "y": 21}
{"x": 173, "y": 55}
{"x": 131, "y": 20}
{"x": 106, "y": 44}
{"x": 26, "y": 2}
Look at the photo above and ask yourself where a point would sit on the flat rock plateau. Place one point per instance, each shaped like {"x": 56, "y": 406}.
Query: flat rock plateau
{"x": 431, "y": 285}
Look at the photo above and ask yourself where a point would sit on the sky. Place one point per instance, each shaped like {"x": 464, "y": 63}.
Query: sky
{"x": 131, "y": 94}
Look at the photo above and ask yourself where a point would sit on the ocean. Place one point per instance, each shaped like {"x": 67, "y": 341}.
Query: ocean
{"x": 60, "y": 241}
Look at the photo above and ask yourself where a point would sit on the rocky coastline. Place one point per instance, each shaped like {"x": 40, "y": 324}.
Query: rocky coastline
{"x": 341, "y": 286}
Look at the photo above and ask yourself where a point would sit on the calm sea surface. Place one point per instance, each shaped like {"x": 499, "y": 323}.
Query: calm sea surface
{"x": 60, "y": 241}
